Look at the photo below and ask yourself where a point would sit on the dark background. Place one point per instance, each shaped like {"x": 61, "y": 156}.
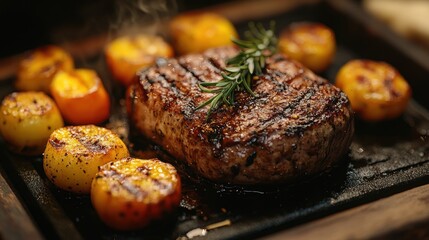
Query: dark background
{"x": 26, "y": 24}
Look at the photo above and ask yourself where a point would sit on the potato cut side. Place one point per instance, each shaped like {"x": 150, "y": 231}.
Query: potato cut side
{"x": 73, "y": 155}
{"x": 130, "y": 193}
{"x": 81, "y": 97}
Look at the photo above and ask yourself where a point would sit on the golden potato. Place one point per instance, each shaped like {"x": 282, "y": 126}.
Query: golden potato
{"x": 312, "y": 44}
{"x": 128, "y": 54}
{"x": 27, "y": 119}
{"x": 197, "y": 31}
{"x": 375, "y": 89}
{"x": 35, "y": 72}
{"x": 81, "y": 96}
{"x": 73, "y": 155}
{"x": 130, "y": 193}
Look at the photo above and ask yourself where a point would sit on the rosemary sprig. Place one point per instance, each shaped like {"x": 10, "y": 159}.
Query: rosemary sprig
{"x": 242, "y": 68}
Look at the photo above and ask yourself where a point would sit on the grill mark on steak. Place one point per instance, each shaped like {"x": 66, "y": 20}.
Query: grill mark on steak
{"x": 181, "y": 90}
{"x": 205, "y": 70}
{"x": 313, "y": 118}
{"x": 165, "y": 76}
{"x": 289, "y": 104}
{"x": 175, "y": 71}
{"x": 316, "y": 115}
{"x": 186, "y": 68}
{"x": 218, "y": 56}
{"x": 201, "y": 68}
{"x": 161, "y": 83}
{"x": 215, "y": 64}
{"x": 288, "y": 111}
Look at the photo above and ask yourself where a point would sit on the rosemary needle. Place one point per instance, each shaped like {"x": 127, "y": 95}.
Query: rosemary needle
{"x": 259, "y": 44}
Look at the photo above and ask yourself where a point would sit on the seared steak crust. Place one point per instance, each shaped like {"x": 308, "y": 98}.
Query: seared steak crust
{"x": 298, "y": 124}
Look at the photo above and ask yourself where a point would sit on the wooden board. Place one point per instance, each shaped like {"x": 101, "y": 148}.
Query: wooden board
{"x": 404, "y": 215}
{"x": 14, "y": 221}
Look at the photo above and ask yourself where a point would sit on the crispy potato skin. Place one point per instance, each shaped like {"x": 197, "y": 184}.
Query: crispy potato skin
{"x": 35, "y": 73}
{"x": 73, "y": 155}
{"x": 198, "y": 31}
{"x": 26, "y": 121}
{"x": 128, "y": 54}
{"x": 375, "y": 89}
{"x": 81, "y": 97}
{"x": 130, "y": 193}
{"x": 312, "y": 44}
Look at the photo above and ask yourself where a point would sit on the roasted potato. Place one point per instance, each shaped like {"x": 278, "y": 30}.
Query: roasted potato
{"x": 35, "y": 73}
{"x": 130, "y": 193}
{"x": 27, "y": 119}
{"x": 312, "y": 44}
{"x": 81, "y": 96}
{"x": 73, "y": 155}
{"x": 375, "y": 89}
{"x": 126, "y": 55}
{"x": 198, "y": 31}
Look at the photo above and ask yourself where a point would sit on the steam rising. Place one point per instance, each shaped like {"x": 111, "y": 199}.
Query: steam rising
{"x": 136, "y": 17}
{"x": 142, "y": 16}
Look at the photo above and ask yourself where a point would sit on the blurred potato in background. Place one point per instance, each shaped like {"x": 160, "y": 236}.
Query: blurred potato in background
{"x": 194, "y": 32}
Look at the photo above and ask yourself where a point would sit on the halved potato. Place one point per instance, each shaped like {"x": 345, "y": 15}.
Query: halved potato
{"x": 35, "y": 73}
{"x": 81, "y": 96}
{"x": 130, "y": 193}
{"x": 128, "y": 54}
{"x": 312, "y": 44}
{"x": 376, "y": 90}
{"x": 73, "y": 155}
{"x": 26, "y": 121}
{"x": 197, "y": 31}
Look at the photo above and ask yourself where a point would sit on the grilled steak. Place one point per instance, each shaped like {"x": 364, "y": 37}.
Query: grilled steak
{"x": 298, "y": 124}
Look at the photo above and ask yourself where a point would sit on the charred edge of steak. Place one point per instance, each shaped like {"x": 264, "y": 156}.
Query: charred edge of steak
{"x": 328, "y": 179}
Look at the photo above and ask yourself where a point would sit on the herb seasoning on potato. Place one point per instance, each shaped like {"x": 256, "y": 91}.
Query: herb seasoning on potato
{"x": 26, "y": 121}
{"x": 376, "y": 90}
{"x": 130, "y": 193}
{"x": 73, "y": 155}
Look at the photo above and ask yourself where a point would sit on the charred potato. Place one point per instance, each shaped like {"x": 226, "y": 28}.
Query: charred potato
{"x": 198, "y": 31}
{"x": 27, "y": 119}
{"x": 375, "y": 89}
{"x": 73, "y": 155}
{"x": 312, "y": 44}
{"x": 130, "y": 193}
{"x": 35, "y": 73}
{"x": 81, "y": 96}
{"x": 126, "y": 55}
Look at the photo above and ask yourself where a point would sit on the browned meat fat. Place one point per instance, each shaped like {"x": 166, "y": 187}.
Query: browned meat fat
{"x": 298, "y": 125}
